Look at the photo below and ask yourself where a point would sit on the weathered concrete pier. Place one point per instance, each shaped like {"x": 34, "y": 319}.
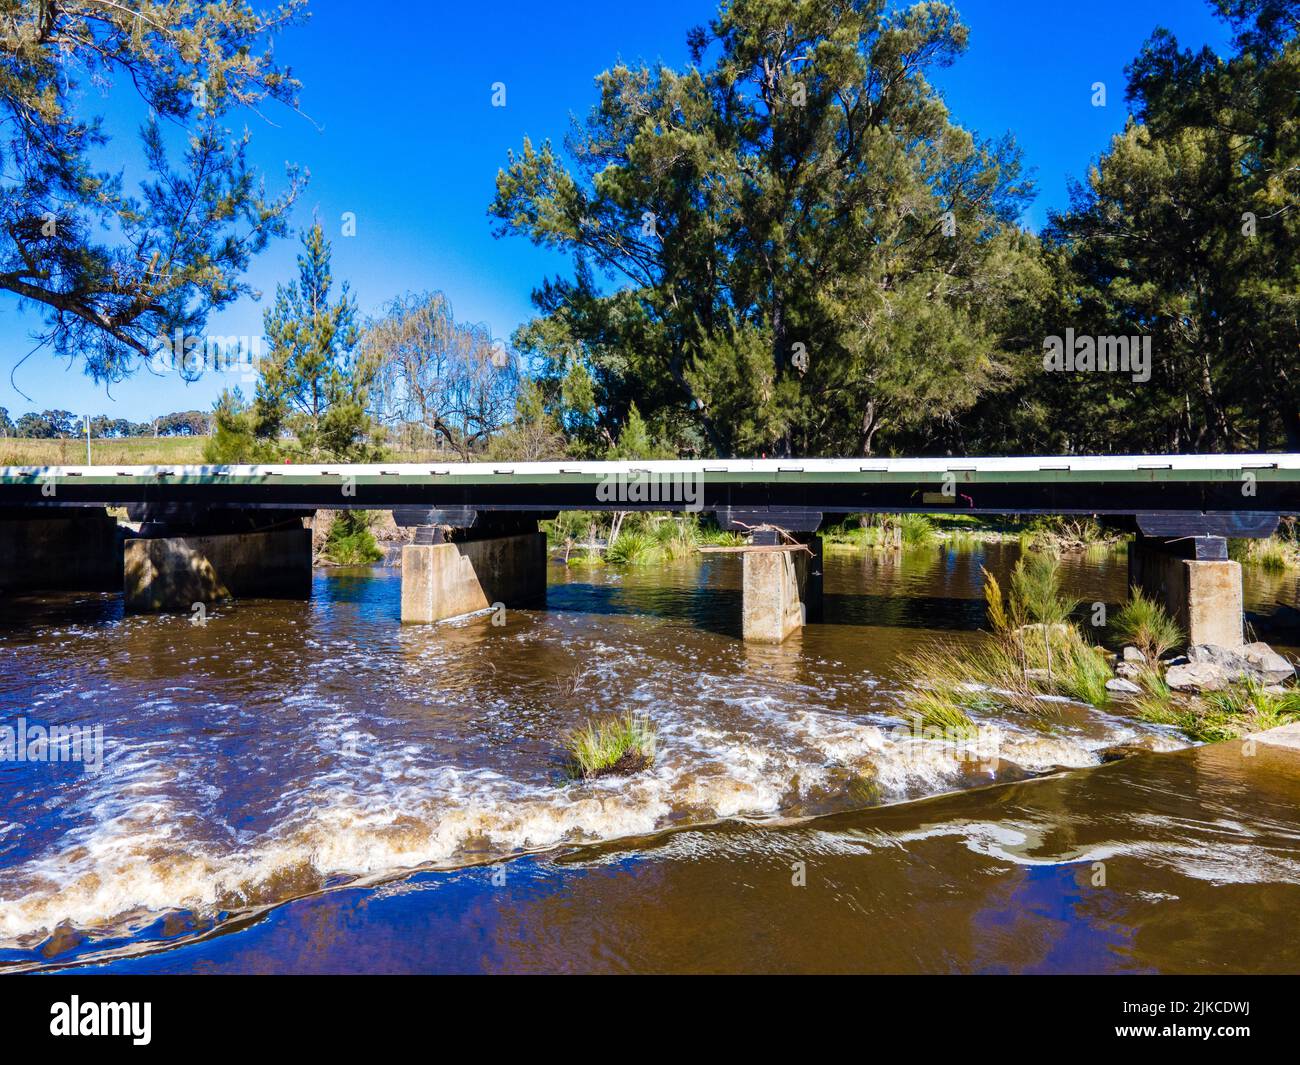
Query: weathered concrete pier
{"x": 214, "y": 532}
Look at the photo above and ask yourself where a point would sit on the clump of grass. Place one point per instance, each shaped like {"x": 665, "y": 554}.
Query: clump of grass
{"x": 1272, "y": 553}
{"x": 611, "y": 746}
{"x": 1226, "y": 715}
{"x": 1246, "y": 708}
{"x": 1146, "y": 625}
{"x": 714, "y": 537}
{"x": 941, "y": 706}
{"x": 1036, "y": 595}
{"x": 1034, "y": 650}
{"x": 631, "y": 549}
{"x": 350, "y": 541}
{"x": 676, "y": 537}
{"x": 917, "y": 529}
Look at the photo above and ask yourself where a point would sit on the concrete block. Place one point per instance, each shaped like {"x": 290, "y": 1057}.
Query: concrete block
{"x": 1203, "y": 596}
{"x": 441, "y": 581}
{"x": 781, "y": 590}
{"x": 173, "y": 573}
{"x": 74, "y": 549}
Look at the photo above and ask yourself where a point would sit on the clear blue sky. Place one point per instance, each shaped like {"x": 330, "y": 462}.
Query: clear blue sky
{"x": 409, "y": 141}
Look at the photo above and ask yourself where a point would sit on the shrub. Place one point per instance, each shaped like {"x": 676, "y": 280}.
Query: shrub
{"x": 611, "y": 746}
{"x": 350, "y": 541}
{"x": 631, "y": 549}
{"x": 1146, "y": 625}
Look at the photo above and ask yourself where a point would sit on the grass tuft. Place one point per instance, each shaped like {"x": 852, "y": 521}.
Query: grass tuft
{"x": 611, "y": 746}
{"x": 1146, "y": 625}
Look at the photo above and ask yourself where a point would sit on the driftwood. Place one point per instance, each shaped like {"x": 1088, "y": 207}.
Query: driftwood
{"x": 754, "y": 547}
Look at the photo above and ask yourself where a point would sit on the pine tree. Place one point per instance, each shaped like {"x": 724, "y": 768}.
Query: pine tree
{"x": 312, "y": 395}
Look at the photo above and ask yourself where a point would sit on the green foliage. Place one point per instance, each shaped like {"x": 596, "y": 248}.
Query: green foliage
{"x": 1146, "y": 625}
{"x": 1274, "y": 553}
{"x": 1186, "y": 232}
{"x": 611, "y": 746}
{"x": 350, "y": 541}
{"x": 808, "y": 255}
{"x": 942, "y": 706}
{"x": 635, "y": 441}
{"x": 113, "y": 269}
{"x": 631, "y": 549}
{"x": 312, "y": 395}
{"x": 1238, "y": 711}
{"x": 1036, "y": 589}
{"x": 534, "y": 434}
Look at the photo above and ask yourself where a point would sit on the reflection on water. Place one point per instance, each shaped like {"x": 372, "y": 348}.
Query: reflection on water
{"x": 284, "y": 748}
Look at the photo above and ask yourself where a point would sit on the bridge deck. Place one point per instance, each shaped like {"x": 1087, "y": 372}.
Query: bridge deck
{"x": 1116, "y": 485}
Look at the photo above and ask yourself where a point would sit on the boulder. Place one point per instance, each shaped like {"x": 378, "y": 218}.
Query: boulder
{"x": 1133, "y": 655}
{"x": 1128, "y": 670}
{"x": 1267, "y": 665}
{"x": 1256, "y": 661}
{"x": 1122, "y": 687}
{"x": 1198, "y": 677}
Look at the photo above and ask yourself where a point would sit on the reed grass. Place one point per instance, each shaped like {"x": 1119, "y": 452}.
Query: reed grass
{"x": 1146, "y": 625}
{"x": 617, "y": 745}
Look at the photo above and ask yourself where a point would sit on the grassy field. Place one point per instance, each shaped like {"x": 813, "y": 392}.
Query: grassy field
{"x": 133, "y": 451}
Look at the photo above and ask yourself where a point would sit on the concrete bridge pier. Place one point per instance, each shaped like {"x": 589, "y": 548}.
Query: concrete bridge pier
{"x": 462, "y": 564}
{"x": 1196, "y": 582}
{"x": 185, "y": 556}
{"x": 781, "y": 586}
{"x": 59, "y": 549}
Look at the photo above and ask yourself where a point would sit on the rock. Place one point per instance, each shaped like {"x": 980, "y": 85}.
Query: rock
{"x": 1266, "y": 664}
{"x": 1133, "y": 655}
{"x": 1122, "y": 686}
{"x": 1128, "y": 670}
{"x": 1198, "y": 677}
{"x": 1039, "y": 675}
{"x": 1119, "y": 751}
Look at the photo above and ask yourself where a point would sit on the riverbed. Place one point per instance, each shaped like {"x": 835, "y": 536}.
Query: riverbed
{"x": 312, "y": 786}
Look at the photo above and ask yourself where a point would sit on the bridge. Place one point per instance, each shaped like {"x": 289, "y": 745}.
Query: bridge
{"x": 213, "y": 532}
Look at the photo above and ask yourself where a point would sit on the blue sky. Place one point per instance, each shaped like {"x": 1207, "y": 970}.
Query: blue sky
{"x": 409, "y": 141}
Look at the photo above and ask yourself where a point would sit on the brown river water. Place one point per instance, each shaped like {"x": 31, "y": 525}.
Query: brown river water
{"x": 314, "y": 787}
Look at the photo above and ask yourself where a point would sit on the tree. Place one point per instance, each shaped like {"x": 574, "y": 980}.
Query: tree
{"x": 48, "y": 425}
{"x": 6, "y": 425}
{"x": 636, "y": 442}
{"x": 792, "y": 249}
{"x": 111, "y": 270}
{"x": 1188, "y": 231}
{"x": 312, "y": 392}
{"x": 439, "y": 382}
{"x": 533, "y": 435}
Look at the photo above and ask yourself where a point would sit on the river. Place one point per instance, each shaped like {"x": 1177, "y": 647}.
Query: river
{"x": 310, "y": 786}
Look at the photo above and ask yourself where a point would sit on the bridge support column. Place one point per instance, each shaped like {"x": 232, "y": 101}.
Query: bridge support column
{"x": 169, "y": 570}
{"x": 448, "y": 580}
{"x": 48, "y": 548}
{"x": 782, "y": 588}
{"x": 1196, "y": 582}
